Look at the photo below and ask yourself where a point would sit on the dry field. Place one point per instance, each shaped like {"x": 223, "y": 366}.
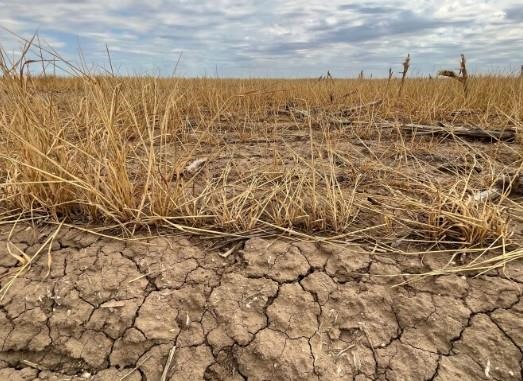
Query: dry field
{"x": 165, "y": 229}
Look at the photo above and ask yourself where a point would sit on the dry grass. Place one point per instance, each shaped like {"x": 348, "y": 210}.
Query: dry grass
{"x": 314, "y": 159}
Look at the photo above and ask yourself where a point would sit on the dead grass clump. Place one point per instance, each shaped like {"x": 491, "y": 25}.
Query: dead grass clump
{"x": 308, "y": 158}
{"x": 467, "y": 222}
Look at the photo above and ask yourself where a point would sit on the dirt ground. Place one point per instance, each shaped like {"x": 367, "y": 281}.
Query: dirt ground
{"x": 273, "y": 310}
{"x": 363, "y": 176}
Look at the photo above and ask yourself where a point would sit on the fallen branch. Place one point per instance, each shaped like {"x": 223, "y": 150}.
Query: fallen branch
{"x": 474, "y": 133}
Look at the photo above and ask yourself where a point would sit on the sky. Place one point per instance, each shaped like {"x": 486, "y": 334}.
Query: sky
{"x": 273, "y": 38}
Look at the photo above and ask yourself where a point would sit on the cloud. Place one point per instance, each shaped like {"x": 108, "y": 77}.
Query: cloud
{"x": 514, "y": 14}
{"x": 273, "y": 37}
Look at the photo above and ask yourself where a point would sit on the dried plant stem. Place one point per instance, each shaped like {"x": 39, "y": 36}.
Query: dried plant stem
{"x": 406, "y": 65}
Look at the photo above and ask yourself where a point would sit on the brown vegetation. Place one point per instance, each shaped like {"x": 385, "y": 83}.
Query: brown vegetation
{"x": 334, "y": 160}
{"x": 306, "y": 201}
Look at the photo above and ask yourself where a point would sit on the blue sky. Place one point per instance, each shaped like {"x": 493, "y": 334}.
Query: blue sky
{"x": 274, "y": 38}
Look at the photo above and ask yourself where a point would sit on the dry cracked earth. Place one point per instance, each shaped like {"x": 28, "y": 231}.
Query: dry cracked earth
{"x": 274, "y": 310}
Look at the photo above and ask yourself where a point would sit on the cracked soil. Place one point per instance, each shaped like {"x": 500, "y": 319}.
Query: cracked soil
{"x": 273, "y": 310}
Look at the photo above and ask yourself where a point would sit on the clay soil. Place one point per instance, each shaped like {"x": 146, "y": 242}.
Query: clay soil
{"x": 273, "y": 310}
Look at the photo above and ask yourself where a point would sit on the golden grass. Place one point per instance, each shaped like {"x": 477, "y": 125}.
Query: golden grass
{"x": 314, "y": 159}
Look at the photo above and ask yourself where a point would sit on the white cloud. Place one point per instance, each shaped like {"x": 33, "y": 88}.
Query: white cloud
{"x": 274, "y": 37}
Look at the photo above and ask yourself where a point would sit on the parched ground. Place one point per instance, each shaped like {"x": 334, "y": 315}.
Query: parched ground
{"x": 273, "y": 310}
{"x": 367, "y": 173}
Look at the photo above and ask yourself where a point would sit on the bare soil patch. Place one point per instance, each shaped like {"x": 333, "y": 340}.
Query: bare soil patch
{"x": 272, "y": 310}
